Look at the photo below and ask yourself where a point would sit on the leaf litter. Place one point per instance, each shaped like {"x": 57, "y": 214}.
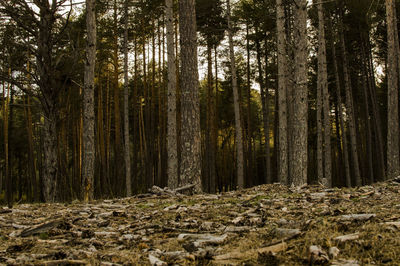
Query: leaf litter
{"x": 263, "y": 225}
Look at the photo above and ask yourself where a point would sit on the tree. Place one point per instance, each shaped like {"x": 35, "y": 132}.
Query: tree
{"x": 127, "y": 156}
{"x": 88, "y": 104}
{"x": 190, "y": 168}
{"x": 172, "y": 138}
{"x": 238, "y": 126}
{"x": 283, "y": 170}
{"x": 324, "y": 175}
{"x": 393, "y": 166}
{"x": 43, "y": 22}
{"x": 298, "y": 164}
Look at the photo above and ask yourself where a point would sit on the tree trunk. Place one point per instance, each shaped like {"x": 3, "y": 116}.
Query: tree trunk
{"x": 172, "y": 147}
{"x": 117, "y": 113}
{"x": 248, "y": 114}
{"x": 9, "y": 193}
{"x": 211, "y": 124}
{"x": 238, "y": 126}
{"x": 127, "y": 156}
{"x": 325, "y": 177}
{"x": 283, "y": 164}
{"x": 299, "y": 163}
{"x": 265, "y": 111}
{"x": 50, "y": 171}
{"x": 393, "y": 166}
{"x": 340, "y": 110}
{"x": 350, "y": 110}
{"x": 88, "y": 104}
{"x": 190, "y": 171}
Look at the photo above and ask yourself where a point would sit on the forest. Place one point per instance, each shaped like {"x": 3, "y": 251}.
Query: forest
{"x": 106, "y": 99}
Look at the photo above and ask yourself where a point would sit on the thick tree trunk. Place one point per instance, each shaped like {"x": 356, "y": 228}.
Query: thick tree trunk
{"x": 88, "y": 104}
{"x": 172, "y": 147}
{"x": 190, "y": 171}
{"x": 283, "y": 163}
{"x": 393, "y": 165}
{"x": 299, "y": 163}
{"x": 50, "y": 147}
{"x": 127, "y": 154}
{"x": 238, "y": 126}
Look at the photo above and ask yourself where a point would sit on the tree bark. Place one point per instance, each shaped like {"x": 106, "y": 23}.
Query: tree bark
{"x": 325, "y": 177}
{"x": 283, "y": 164}
{"x": 393, "y": 166}
{"x": 127, "y": 154}
{"x": 340, "y": 110}
{"x": 88, "y": 104}
{"x": 350, "y": 110}
{"x": 238, "y": 126}
{"x": 298, "y": 169}
{"x": 190, "y": 171}
{"x": 172, "y": 147}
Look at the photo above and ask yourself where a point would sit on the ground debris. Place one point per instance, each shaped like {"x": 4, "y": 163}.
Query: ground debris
{"x": 263, "y": 225}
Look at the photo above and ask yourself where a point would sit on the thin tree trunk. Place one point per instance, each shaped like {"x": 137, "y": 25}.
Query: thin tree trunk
{"x": 340, "y": 110}
{"x": 172, "y": 147}
{"x": 9, "y": 192}
{"x": 393, "y": 165}
{"x": 350, "y": 110}
{"x": 326, "y": 176}
{"x": 299, "y": 163}
{"x": 283, "y": 164}
{"x": 88, "y": 104}
{"x": 238, "y": 126}
{"x": 127, "y": 156}
{"x": 210, "y": 120}
{"x": 248, "y": 118}
{"x": 117, "y": 113}
{"x": 190, "y": 171}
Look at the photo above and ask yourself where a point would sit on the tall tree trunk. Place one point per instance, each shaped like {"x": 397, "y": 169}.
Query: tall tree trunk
{"x": 340, "y": 110}
{"x": 172, "y": 147}
{"x": 350, "y": 110}
{"x": 211, "y": 124}
{"x": 127, "y": 156}
{"x": 299, "y": 163}
{"x": 190, "y": 171}
{"x": 238, "y": 126}
{"x": 283, "y": 164}
{"x": 50, "y": 171}
{"x": 88, "y": 104}
{"x": 248, "y": 113}
{"x": 6, "y": 144}
{"x": 326, "y": 176}
{"x": 393, "y": 165}
{"x": 265, "y": 111}
{"x": 117, "y": 113}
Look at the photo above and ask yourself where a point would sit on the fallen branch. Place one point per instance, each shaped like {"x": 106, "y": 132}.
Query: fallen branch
{"x": 42, "y": 228}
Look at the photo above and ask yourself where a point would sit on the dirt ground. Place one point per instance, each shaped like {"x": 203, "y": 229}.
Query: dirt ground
{"x": 264, "y": 225}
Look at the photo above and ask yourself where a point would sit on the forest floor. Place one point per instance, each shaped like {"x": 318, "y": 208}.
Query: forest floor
{"x": 264, "y": 225}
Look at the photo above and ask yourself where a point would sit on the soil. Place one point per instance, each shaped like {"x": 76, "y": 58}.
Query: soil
{"x": 263, "y": 225}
